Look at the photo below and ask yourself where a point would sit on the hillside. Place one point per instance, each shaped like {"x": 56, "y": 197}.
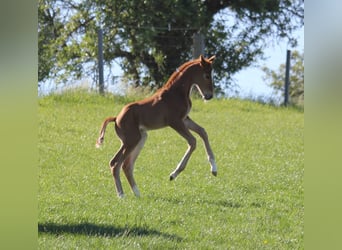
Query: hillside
{"x": 256, "y": 201}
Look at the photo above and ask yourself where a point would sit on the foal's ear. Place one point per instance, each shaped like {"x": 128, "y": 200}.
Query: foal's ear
{"x": 203, "y": 61}
{"x": 211, "y": 59}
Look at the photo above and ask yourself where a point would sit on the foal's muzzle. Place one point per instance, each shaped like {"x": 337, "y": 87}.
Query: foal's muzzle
{"x": 208, "y": 96}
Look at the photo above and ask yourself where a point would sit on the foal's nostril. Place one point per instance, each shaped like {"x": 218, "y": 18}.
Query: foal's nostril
{"x": 208, "y": 96}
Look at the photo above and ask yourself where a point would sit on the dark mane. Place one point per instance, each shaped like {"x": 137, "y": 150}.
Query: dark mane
{"x": 180, "y": 70}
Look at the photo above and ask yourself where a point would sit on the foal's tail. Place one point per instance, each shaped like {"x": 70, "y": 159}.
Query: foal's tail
{"x": 103, "y": 130}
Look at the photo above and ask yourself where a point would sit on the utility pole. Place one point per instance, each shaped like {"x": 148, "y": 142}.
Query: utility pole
{"x": 198, "y": 42}
{"x": 100, "y": 61}
{"x": 287, "y": 78}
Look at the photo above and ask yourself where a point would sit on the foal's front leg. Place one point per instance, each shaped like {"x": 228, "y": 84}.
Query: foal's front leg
{"x": 203, "y": 134}
{"x": 183, "y": 131}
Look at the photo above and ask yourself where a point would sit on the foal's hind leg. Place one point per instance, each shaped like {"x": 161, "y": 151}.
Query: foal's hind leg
{"x": 115, "y": 165}
{"x": 129, "y": 142}
{"x": 128, "y": 165}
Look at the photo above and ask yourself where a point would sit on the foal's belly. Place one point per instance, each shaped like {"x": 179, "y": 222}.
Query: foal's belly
{"x": 152, "y": 121}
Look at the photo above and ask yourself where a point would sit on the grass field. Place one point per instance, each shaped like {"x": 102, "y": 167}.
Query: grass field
{"x": 255, "y": 202}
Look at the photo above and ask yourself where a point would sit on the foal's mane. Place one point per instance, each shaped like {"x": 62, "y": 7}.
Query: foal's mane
{"x": 179, "y": 71}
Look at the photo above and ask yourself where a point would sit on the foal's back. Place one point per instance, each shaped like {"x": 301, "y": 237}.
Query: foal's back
{"x": 147, "y": 113}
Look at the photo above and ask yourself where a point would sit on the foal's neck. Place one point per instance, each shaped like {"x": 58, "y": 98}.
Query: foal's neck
{"x": 184, "y": 82}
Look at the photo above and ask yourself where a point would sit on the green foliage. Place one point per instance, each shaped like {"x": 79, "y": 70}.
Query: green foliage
{"x": 276, "y": 79}
{"x": 152, "y": 38}
{"x": 255, "y": 202}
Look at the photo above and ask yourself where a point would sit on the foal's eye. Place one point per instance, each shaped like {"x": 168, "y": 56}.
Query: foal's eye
{"x": 206, "y": 76}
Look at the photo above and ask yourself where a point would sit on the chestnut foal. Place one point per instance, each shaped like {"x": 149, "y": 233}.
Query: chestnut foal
{"x": 169, "y": 106}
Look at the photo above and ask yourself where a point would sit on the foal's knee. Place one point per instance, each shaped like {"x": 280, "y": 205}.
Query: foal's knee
{"x": 192, "y": 143}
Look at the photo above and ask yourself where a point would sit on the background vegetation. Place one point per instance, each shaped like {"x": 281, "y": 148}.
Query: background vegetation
{"x": 276, "y": 79}
{"x": 150, "y": 39}
{"x": 255, "y": 202}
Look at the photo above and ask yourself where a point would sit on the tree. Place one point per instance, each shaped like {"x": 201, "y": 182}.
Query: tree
{"x": 49, "y": 29}
{"x": 152, "y": 38}
{"x": 276, "y": 79}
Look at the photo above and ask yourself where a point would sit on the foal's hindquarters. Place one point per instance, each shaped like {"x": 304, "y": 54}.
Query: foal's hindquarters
{"x": 132, "y": 139}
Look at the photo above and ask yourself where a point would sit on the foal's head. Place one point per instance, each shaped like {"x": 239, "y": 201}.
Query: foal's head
{"x": 203, "y": 80}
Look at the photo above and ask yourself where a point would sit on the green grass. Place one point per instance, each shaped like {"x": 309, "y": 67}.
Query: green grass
{"x": 255, "y": 202}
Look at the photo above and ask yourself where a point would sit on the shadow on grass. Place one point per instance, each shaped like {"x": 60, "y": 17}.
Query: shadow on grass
{"x": 90, "y": 229}
{"x": 225, "y": 203}
{"x": 220, "y": 203}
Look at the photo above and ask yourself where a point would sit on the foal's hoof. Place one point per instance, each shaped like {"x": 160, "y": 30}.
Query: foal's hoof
{"x": 171, "y": 178}
{"x": 214, "y": 173}
{"x": 121, "y": 196}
